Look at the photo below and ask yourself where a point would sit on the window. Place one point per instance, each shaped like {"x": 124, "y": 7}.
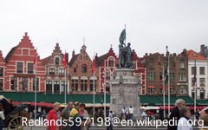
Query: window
{"x": 172, "y": 76}
{"x": 182, "y": 65}
{"x": 57, "y": 61}
{"x": 202, "y": 95}
{"x": 61, "y": 71}
{"x": 13, "y": 82}
{"x": 151, "y": 90}
{"x": 92, "y": 85}
{"x": 36, "y": 84}
{"x": 63, "y": 87}
{"x": 193, "y": 69}
{"x": 74, "y": 85}
{"x": 193, "y": 94}
{"x": 83, "y": 85}
{"x": 182, "y": 90}
{"x": 1, "y": 84}
{"x": 108, "y": 76}
{"x": 194, "y": 81}
{"x": 202, "y": 70}
{"x": 30, "y": 68}
{"x": 75, "y": 70}
{"x": 202, "y": 82}
{"x": 84, "y": 68}
{"x": 107, "y": 87}
{"x": 182, "y": 76}
{"x": 57, "y": 87}
{"x": 19, "y": 67}
{"x": 1, "y": 71}
{"x": 151, "y": 76}
{"x": 48, "y": 86}
{"x": 111, "y": 62}
{"x": 24, "y": 84}
{"x": 51, "y": 71}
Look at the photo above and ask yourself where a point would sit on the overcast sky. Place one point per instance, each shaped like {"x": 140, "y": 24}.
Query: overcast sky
{"x": 151, "y": 24}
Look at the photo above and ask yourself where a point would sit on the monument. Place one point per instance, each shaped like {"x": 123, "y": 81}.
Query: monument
{"x": 125, "y": 86}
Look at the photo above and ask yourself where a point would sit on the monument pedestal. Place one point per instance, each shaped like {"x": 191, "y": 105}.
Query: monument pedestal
{"x": 125, "y": 92}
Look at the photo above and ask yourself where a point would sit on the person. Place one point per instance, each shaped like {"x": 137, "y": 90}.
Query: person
{"x": 123, "y": 114}
{"x": 85, "y": 117}
{"x": 53, "y": 116}
{"x": 175, "y": 114}
{"x": 2, "y": 118}
{"x": 203, "y": 111}
{"x": 144, "y": 115}
{"x": 74, "y": 113}
{"x": 183, "y": 122}
{"x": 204, "y": 117}
{"x": 65, "y": 114}
{"x": 110, "y": 115}
{"x": 128, "y": 56}
{"x": 131, "y": 112}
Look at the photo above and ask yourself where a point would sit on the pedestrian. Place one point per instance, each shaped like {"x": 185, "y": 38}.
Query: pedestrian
{"x": 204, "y": 117}
{"x": 203, "y": 111}
{"x": 183, "y": 122}
{"x": 85, "y": 117}
{"x": 74, "y": 113}
{"x": 110, "y": 116}
{"x": 175, "y": 114}
{"x": 2, "y": 118}
{"x": 53, "y": 116}
{"x": 65, "y": 115}
{"x": 123, "y": 114}
{"x": 131, "y": 112}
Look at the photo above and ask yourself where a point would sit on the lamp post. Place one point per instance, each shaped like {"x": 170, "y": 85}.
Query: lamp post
{"x": 195, "y": 85}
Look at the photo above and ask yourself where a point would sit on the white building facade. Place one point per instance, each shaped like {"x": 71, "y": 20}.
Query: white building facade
{"x": 201, "y": 84}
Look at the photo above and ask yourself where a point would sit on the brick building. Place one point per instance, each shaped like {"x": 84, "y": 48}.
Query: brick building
{"x": 82, "y": 80}
{"x": 178, "y": 76}
{"x": 55, "y": 72}
{"x": 19, "y": 74}
{"x": 2, "y": 72}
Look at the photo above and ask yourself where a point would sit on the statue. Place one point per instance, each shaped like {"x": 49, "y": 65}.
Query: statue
{"x": 125, "y": 53}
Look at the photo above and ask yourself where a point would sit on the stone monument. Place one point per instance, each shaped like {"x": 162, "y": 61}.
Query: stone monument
{"x": 125, "y": 86}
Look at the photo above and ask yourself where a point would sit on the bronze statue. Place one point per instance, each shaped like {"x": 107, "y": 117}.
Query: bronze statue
{"x": 125, "y": 53}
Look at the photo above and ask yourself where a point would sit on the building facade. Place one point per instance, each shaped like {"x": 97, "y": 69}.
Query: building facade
{"x": 82, "y": 80}
{"x": 2, "y": 72}
{"x": 197, "y": 68}
{"x": 20, "y": 75}
{"x": 156, "y": 67}
{"x": 55, "y": 79}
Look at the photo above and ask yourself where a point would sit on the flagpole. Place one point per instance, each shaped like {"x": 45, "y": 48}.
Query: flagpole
{"x": 163, "y": 84}
{"x": 168, "y": 71}
{"x": 35, "y": 84}
{"x": 105, "y": 94}
{"x": 65, "y": 85}
{"x": 94, "y": 93}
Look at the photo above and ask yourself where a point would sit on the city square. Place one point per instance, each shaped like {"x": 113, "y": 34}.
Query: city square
{"x": 102, "y": 64}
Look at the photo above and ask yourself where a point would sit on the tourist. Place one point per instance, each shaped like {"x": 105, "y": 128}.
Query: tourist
{"x": 203, "y": 111}
{"x": 65, "y": 115}
{"x": 53, "y": 116}
{"x": 123, "y": 114}
{"x": 131, "y": 112}
{"x": 74, "y": 113}
{"x": 175, "y": 114}
{"x": 85, "y": 117}
{"x": 110, "y": 115}
{"x": 183, "y": 123}
{"x": 204, "y": 117}
{"x": 2, "y": 118}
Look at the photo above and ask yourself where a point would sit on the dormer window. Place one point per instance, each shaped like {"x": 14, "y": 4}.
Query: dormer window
{"x": 57, "y": 61}
{"x": 84, "y": 68}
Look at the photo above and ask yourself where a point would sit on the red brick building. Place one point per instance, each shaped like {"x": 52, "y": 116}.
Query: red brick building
{"x": 19, "y": 74}
{"x": 82, "y": 80}
{"x": 55, "y": 72}
{"x": 2, "y": 72}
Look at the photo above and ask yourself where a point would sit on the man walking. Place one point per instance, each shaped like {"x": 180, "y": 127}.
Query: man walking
{"x": 65, "y": 115}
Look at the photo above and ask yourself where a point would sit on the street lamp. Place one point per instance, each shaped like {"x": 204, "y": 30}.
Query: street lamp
{"x": 195, "y": 85}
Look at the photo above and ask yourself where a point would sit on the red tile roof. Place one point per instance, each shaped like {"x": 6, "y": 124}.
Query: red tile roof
{"x": 45, "y": 60}
{"x": 73, "y": 59}
{"x": 192, "y": 55}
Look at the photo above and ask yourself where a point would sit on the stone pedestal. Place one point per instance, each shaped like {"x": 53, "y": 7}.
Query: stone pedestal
{"x": 124, "y": 92}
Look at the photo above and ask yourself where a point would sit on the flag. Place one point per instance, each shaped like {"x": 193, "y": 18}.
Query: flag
{"x": 122, "y": 37}
{"x": 64, "y": 61}
{"x": 35, "y": 61}
{"x": 93, "y": 65}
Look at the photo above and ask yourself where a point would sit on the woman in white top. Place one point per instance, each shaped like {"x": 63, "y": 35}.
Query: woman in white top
{"x": 183, "y": 123}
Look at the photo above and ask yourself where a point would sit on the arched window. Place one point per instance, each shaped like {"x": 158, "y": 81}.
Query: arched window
{"x": 84, "y": 68}
{"x": 107, "y": 75}
{"x": 57, "y": 61}
{"x": 111, "y": 62}
{"x": 107, "y": 87}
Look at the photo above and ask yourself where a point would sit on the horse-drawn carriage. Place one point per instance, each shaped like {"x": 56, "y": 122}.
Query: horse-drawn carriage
{"x": 13, "y": 115}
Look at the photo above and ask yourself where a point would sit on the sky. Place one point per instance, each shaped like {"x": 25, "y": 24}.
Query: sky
{"x": 151, "y": 25}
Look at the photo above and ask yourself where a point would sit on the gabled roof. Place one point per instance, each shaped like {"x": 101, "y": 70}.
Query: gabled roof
{"x": 192, "y": 55}
{"x": 10, "y": 54}
{"x": 45, "y": 60}
{"x": 73, "y": 59}
{"x": 100, "y": 59}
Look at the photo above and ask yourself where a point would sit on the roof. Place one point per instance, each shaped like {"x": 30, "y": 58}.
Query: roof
{"x": 100, "y": 59}
{"x": 73, "y": 59}
{"x": 45, "y": 60}
{"x": 10, "y": 54}
{"x": 192, "y": 55}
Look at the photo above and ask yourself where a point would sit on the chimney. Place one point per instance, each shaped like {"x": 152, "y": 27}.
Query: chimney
{"x": 73, "y": 53}
{"x": 67, "y": 58}
{"x": 202, "y": 49}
